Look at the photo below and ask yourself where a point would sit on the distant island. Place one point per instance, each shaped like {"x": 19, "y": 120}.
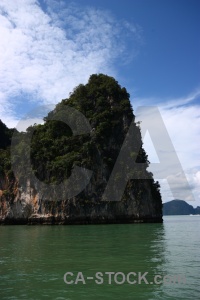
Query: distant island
{"x": 179, "y": 207}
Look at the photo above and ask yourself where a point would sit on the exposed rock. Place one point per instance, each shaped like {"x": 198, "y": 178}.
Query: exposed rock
{"x": 55, "y": 151}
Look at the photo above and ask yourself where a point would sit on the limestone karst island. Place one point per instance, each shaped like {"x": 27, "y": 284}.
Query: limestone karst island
{"x": 58, "y": 172}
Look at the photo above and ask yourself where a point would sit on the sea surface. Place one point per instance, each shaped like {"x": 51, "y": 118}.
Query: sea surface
{"x": 147, "y": 261}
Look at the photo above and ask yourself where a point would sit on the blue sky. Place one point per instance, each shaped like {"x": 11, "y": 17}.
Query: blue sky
{"x": 152, "y": 47}
{"x": 168, "y": 59}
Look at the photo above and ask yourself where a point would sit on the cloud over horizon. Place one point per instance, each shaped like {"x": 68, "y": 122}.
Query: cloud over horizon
{"x": 182, "y": 121}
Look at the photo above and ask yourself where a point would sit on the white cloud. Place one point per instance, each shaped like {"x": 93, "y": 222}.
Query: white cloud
{"x": 197, "y": 178}
{"x": 148, "y": 144}
{"x": 45, "y": 53}
{"x": 182, "y": 121}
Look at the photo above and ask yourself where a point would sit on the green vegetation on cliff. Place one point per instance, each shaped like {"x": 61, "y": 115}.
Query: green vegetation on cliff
{"x": 55, "y": 150}
{"x": 5, "y": 142}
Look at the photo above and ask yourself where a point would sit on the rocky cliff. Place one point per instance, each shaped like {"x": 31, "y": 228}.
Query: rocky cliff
{"x": 57, "y": 173}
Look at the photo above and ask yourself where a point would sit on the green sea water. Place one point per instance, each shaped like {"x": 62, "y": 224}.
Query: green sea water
{"x": 34, "y": 259}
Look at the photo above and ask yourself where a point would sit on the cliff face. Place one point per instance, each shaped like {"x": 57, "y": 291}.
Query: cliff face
{"x": 36, "y": 194}
{"x": 27, "y": 206}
